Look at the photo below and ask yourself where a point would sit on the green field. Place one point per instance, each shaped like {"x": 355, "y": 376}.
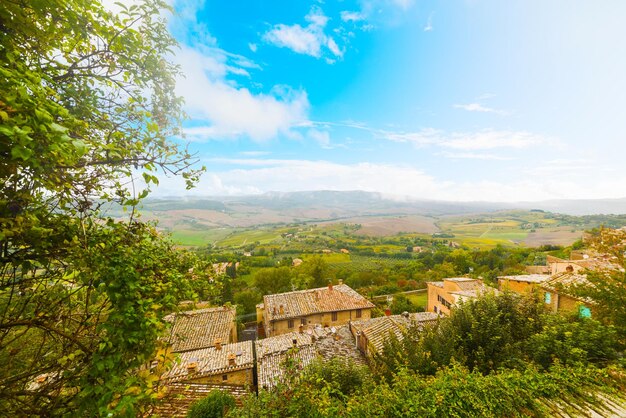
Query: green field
{"x": 198, "y": 238}
{"x": 418, "y": 299}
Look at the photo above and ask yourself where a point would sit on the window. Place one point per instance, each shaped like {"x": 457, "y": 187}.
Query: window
{"x": 290, "y": 323}
{"x": 224, "y": 377}
{"x": 358, "y": 313}
{"x": 548, "y": 297}
{"x": 443, "y": 301}
{"x": 334, "y": 316}
{"x": 303, "y": 321}
{"x": 435, "y": 308}
{"x": 584, "y": 312}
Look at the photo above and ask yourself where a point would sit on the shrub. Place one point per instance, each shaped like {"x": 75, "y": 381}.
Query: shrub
{"x": 215, "y": 405}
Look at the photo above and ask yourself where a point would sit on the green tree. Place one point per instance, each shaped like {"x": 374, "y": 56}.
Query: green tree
{"x": 273, "y": 280}
{"x": 247, "y": 299}
{"x": 317, "y": 269}
{"x": 402, "y": 304}
{"x": 86, "y": 107}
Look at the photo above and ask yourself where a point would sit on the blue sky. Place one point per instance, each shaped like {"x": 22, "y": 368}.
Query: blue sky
{"x": 456, "y": 100}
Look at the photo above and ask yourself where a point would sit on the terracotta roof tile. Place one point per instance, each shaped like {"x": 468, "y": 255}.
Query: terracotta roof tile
{"x": 378, "y": 330}
{"x": 307, "y": 302}
{"x": 192, "y": 330}
{"x": 327, "y": 343}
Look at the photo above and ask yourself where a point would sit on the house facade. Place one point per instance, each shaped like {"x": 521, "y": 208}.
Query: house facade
{"x": 443, "y": 295}
{"x": 523, "y": 284}
{"x": 558, "y": 298}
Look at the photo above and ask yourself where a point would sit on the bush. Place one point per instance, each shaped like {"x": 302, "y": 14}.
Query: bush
{"x": 215, "y": 405}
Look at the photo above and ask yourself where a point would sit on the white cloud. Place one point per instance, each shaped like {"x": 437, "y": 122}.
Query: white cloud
{"x": 254, "y": 153}
{"x": 321, "y": 137}
{"x": 477, "y": 107}
{"x": 429, "y": 23}
{"x": 481, "y": 140}
{"x": 253, "y": 176}
{"x": 474, "y": 156}
{"x": 490, "y": 139}
{"x": 309, "y": 40}
{"x": 348, "y": 16}
{"x": 228, "y": 110}
{"x": 403, "y": 4}
{"x": 253, "y": 47}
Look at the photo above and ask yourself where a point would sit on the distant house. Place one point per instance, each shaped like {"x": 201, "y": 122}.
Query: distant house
{"x": 443, "y": 295}
{"x": 296, "y": 262}
{"x": 221, "y": 268}
{"x": 371, "y": 334}
{"x": 345, "y": 251}
{"x": 524, "y": 283}
{"x": 326, "y": 306}
{"x": 558, "y": 296}
{"x": 299, "y": 349}
{"x": 202, "y": 328}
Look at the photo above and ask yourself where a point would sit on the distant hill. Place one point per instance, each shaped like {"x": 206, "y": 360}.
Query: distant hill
{"x": 360, "y": 203}
{"x": 198, "y": 221}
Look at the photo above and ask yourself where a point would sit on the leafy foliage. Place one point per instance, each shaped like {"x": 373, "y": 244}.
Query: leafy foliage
{"x": 87, "y": 105}
{"x": 215, "y": 405}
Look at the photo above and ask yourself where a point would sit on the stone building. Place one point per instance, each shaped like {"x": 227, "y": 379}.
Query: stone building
{"x": 327, "y": 306}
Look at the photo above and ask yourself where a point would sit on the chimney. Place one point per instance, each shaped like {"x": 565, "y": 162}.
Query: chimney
{"x": 340, "y": 281}
{"x": 192, "y": 367}
{"x": 405, "y": 314}
{"x": 282, "y": 310}
{"x": 274, "y": 310}
{"x": 387, "y": 312}
{"x": 301, "y": 328}
{"x": 330, "y": 286}
{"x": 232, "y": 359}
{"x": 218, "y": 344}
{"x": 294, "y": 342}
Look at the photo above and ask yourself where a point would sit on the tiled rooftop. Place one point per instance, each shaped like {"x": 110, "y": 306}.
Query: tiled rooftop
{"x": 326, "y": 343}
{"x": 192, "y": 330}
{"x": 211, "y": 361}
{"x": 378, "y": 330}
{"x": 468, "y": 285}
{"x": 307, "y": 302}
{"x": 271, "y": 368}
{"x": 560, "y": 282}
{"x": 529, "y": 278}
